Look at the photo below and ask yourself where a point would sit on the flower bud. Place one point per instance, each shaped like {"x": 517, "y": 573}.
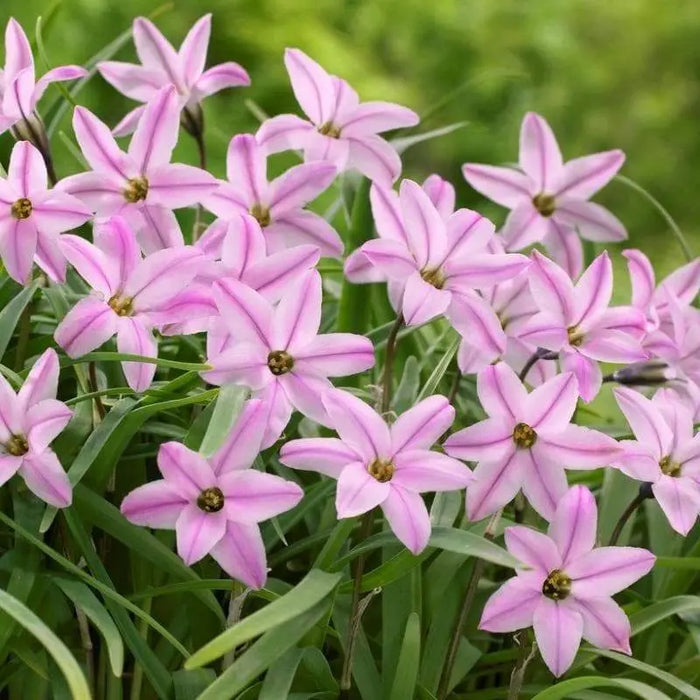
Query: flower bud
{"x": 648, "y": 373}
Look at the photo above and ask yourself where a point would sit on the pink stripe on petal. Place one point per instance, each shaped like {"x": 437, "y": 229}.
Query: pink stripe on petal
{"x": 583, "y": 177}
{"x": 552, "y": 404}
{"x": 157, "y": 131}
{"x": 26, "y": 170}
{"x": 605, "y": 624}
{"x": 45, "y": 476}
{"x": 489, "y": 439}
{"x": 422, "y": 425}
{"x": 136, "y": 339}
{"x": 375, "y": 158}
{"x": 89, "y": 324}
{"x": 408, "y": 518}
{"x": 540, "y": 156}
{"x": 311, "y": 85}
{"x": 593, "y": 292}
{"x": 157, "y": 504}
{"x": 298, "y": 316}
{"x": 327, "y": 456}
{"x": 97, "y": 144}
{"x": 335, "y": 355}
{"x": 241, "y": 554}
{"x": 574, "y": 525}
{"x": 505, "y": 186}
{"x": 225, "y": 75}
{"x": 543, "y": 481}
{"x": 500, "y": 391}
{"x": 513, "y": 605}
{"x": 193, "y": 51}
{"x": 608, "y": 570}
{"x": 533, "y": 548}
{"x": 298, "y": 186}
{"x": 251, "y": 496}
{"x": 42, "y": 381}
{"x": 495, "y": 484}
{"x": 558, "y": 631}
{"x": 645, "y": 419}
{"x": 198, "y": 532}
{"x": 578, "y": 447}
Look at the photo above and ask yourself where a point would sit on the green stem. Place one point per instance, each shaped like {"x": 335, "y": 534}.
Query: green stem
{"x": 25, "y": 330}
{"x": 389, "y": 364}
{"x": 645, "y": 492}
{"x": 526, "y": 653}
{"x": 95, "y": 391}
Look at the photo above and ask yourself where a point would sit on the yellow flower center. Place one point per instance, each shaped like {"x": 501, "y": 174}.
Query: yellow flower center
{"x": 575, "y": 336}
{"x": 211, "y": 500}
{"x": 669, "y": 467}
{"x": 22, "y": 208}
{"x": 280, "y": 362}
{"x": 17, "y": 445}
{"x": 136, "y": 189}
{"x": 544, "y": 203}
{"x": 433, "y": 276}
{"x": 524, "y": 436}
{"x": 381, "y": 469}
{"x": 261, "y": 213}
{"x": 557, "y": 585}
{"x": 122, "y": 306}
{"x": 329, "y": 129}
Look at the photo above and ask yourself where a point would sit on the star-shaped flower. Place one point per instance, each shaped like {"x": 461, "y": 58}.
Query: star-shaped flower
{"x": 279, "y": 205}
{"x": 29, "y": 422}
{"x": 19, "y": 89}
{"x": 339, "y": 129}
{"x": 278, "y": 353}
{"x": 32, "y": 216}
{"x": 380, "y": 465}
{"x": 565, "y": 593}
{"x": 132, "y": 296}
{"x": 548, "y": 198}
{"x": 526, "y": 442}
{"x": 162, "y": 66}
{"x": 575, "y": 321}
{"x": 215, "y": 504}
{"x": 665, "y": 454}
{"x": 433, "y": 265}
{"x": 141, "y": 185}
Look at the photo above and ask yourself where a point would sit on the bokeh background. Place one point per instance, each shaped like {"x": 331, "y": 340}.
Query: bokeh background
{"x": 605, "y": 74}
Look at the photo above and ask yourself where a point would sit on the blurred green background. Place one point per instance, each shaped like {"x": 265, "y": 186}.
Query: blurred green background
{"x": 605, "y": 74}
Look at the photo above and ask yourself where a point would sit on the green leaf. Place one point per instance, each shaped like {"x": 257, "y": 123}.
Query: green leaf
{"x": 10, "y": 315}
{"x": 84, "y": 598}
{"x": 273, "y": 644}
{"x": 405, "y": 142}
{"x": 406, "y": 674}
{"x": 127, "y": 357}
{"x": 227, "y": 408}
{"x": 53, "y": 645}
{"x": 188, "y": 685}
{"x": 464, "y": 542}
{"x": 314, "y": 587}
{"x": 644, "y": 619}
{"x": 439, "y": 372}
{"x": 564, "y": 689}
{"x": 280, "y": 676}
{"x": 684, "y": 563}
{"x": 406, "y": 392}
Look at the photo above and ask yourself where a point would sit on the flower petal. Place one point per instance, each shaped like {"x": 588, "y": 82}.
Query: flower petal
{"x": 304, "y": 391}
{"x": 535, "y": 549}
{"x": 135, "y": 81}
{"x": 421, "y": 470}
{"x": 327, "y": 456}
{"x": 679, "y": 499}
{"x": 85, "y": 327}
{"x": 501, "y": 392}
{"x": 558, "y": 631}
{"x": 523, "y": 227}
{"x": 243, "y": 363}
{"x": 27, "y": 170}
{"x": 641, "y": 276}
{"x": 427, "y": 234}
{"x": 298, "y": 186}
{"x": 505, "y": 186}
{"x": 605, "y": 624}
{"x": 423, "y": 302}
{"x": 193, "y": 51}
{"x": 593, "y": 292}
{"x": 311, "y": 84}
{"x": 156, "y": 133}
{"x": 552, "y": 404}
{"x": 157, "y": 504}
{"x": 251, "y": 496}
{"x": 540, "y": 156}
{"x": 583, "y": 177}
{"x": 391, "y": 258}
{"x": 375, "y": 158}
{"x": 98, "y": 145}
{"x": 335, "y": 355}
{"x": 375, "y": 117}
{"x": 408, "y": 518}
{"x": 587, "y": 371}
{"x": 92, "y": 264}
{"x": 360, "y": 426}
{"x": 297, "y": 317}
{"x": 241, "y": 554}
{"x": 18, "y": 52}
{"x": 495, "y": 484}
{"x": 279, "y": 411}
{"x": 242, "y": 444}
{"x": 420, "y": 426}
{"x": 155, "y": 52}
{"x": 198, "y": 532}
{"x": 483, "y": 271}
{"x": 595, "y": 223}
{"x": 553, "y": 290}
{"x": 161, "y": 229}
{"x": 563, "y": 244}
{"x": 44, "y": 421}
{"x": 387, "y": 215}
{"x": 607, "y": 570}
{"x": 645, "y": 419}
{"x": 136, "y": 339}
{"x": 489, "y": 440}
{"x": 225, "y": 75}
{"x": 513, "y": 605}
{"x": 42, "y": 381}
{"x": 578, "y": 447}
{"x": 284, "y": 132}
{"x": 45, "y": 476}
{"x": 543, "y": 481}
{"x": 303, "y": 228}
{"x": 176, "y": 185}
{"x": 18, "y": 243}
{"x": 573, "y": 528}
{"x": 358, "y": 491}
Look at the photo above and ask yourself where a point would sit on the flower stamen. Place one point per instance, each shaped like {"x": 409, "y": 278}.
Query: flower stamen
{"x": 22, "y": 208}
{"x": 136, "y": 189}
{"x": 329, "y": 129}
{"x": 381, "y": 469}
{"x": 280, "y": 362}
{"x": 261, "y": 213}
{"x": 544, "y": 203}
{"x": 211, "y": 500}
{"x": 557, "y": 585}
{"x": 669, "y": 467}
{"x": 17, "y": 445}
{"x": 575, "y": 336}
{"x": 122, "y": 306}
{"x": 433, "y": 276}
{"x": 524, "y": 436}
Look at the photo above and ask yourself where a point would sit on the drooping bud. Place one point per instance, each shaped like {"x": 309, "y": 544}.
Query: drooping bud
{"x": 648, "y": 373}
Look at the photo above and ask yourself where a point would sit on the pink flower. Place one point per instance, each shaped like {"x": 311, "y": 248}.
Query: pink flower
{"x": 575, "y": 321}
{"x": 278, "y": 205}
{"x": 29, "y": 422}
{"x": 549, "y": 199}
{"x": 162, "y": 66}
{"x": 236, "y": 250}
{"x": 278, "y": 353}
{"x": 19, "y": 89}
{"x": 141, "y": 185}
{"x": 378, "y": 465}
{"x": 340, "y": 129}
{"x": 565, "y": 593}
{"x": 215, "y": 504}
{"x": 432, "y": 265}
{"x": 32, "y": 216}
{"x": 526, "y": 442}
{"x": 132, "y": 295}
{"x": 665, "y": 454}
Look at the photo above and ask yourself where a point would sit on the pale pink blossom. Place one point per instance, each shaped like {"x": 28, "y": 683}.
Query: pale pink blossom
{"x": 215, "y": 504}
{"x": 278, "y": 205}
{"x": 131, "y": 296}
{"x": 666, "y": 454}
{"x": 278, "y": 352}
{"x": 32, "y": 217}
{"x": 339, "y": 129}
{"x": 576, "y": 321}
{"x": 140, "y": 185}
{"x": 29, "y": 422}
{"x": 19, "y": 89}
{"x": 548, "y": 198}
{"x": 565, "y": 593}
{"x": 162, "y": 66}
{"x": 526, "y": 442}
{"x": 432, "y": 265}
{"x": 381, "y": 465}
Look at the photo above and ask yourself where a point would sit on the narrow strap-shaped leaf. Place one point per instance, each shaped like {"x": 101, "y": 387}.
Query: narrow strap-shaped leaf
{"x": 227, "y": 408}
{"x": 10, "y": 315}
{"x": 280, "y": 675}
{"x": 564, "y": 689}
{"x": 406, "y": 673}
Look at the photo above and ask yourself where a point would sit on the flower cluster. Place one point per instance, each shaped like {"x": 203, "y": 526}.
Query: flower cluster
{"x": 534, "y": 329}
